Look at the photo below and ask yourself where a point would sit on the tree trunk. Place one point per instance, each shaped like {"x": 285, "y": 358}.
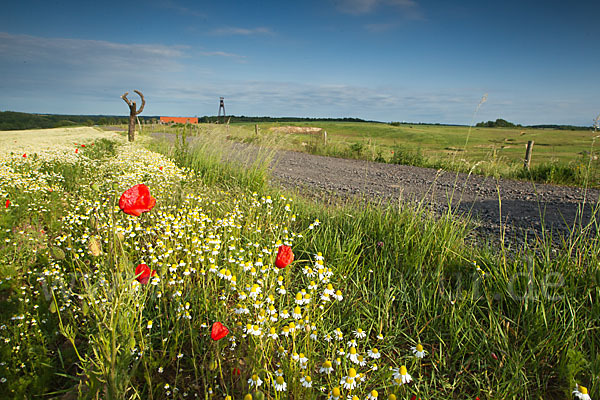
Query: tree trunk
{"x": 132, "y": 114}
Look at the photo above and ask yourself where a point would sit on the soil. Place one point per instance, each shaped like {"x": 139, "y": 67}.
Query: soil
{"x": 515, "y": 209}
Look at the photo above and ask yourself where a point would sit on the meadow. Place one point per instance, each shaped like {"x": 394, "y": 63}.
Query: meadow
{"x": 190, "y": 291}
{"x": 559, "y": 156}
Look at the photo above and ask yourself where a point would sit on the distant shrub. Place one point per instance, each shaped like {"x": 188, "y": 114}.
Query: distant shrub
{"x": 408, "y": 156}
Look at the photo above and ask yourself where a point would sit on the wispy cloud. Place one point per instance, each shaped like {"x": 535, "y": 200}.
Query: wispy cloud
{"x": 407, "y": 8}
{"x": 173, "y": 5}
{"x": 230, "y": 30}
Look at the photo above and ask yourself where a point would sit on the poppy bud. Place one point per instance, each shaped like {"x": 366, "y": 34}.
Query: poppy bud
{"x": 285, "y": 256}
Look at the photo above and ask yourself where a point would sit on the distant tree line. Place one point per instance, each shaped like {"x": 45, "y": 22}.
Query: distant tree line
{"x": 10, "y": 120}
{"x": 502, "y": 123}
{"x": 243, "y": 118}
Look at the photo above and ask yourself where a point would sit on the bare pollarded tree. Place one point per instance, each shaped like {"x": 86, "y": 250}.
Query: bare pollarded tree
{"x": 133, "y": 113}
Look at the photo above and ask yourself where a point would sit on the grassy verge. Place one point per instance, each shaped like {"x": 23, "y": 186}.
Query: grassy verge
{"x": 367, "y": 284}
{"x": 560, "y": 157}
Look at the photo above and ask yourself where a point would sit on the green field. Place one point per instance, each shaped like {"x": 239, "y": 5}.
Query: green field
{"x": 559, "y": 156}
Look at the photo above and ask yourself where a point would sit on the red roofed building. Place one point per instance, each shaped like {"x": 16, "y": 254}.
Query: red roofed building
{"x": 178, "y": 120}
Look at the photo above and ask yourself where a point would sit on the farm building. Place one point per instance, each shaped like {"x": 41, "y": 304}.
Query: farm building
{"x": 178, "y": 120}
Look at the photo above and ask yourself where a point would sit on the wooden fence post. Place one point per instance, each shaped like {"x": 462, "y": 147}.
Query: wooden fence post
{"x": 325, "y": 138}
{"x": 528, "y": 152}
{"x": 256, "y": 129}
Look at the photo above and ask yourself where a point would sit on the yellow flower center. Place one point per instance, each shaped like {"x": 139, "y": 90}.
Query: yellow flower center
{"x": 307, "y": 379}
{"x": 349, "y": 380}
{"x": 392, "y": 397}
{"x": 583, "y": 390}
{"x": 419, "y": 347}
{"x": 327, "y": 364}
{"x": 248, "y": 397}
{"x": 352, "y": 350}
{"x": 297, "y": 310}
{"x": 336, "y": 391}
{"x": 299, "y": 296}
{"x": 352, "y": 372}
{"x": 374, "y": 351}
{"x": 279, "y": 380}
{"x": 254, "y": 377}
{"x": 403, "y": 370}
{"x": 374, "y": 393}
{"x": 272, "y": 330}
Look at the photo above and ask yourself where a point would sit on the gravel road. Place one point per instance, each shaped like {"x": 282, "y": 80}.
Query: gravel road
{"x": 516, "y": 206}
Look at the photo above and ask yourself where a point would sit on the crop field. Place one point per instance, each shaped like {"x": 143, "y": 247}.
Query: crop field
{"x": 153, "y": 270}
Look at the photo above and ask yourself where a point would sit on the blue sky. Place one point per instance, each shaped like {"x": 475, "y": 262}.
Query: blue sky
{"x": 386, "y": 60}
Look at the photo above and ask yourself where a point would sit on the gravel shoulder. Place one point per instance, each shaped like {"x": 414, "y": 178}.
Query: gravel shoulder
{"x": 516, "y": 207}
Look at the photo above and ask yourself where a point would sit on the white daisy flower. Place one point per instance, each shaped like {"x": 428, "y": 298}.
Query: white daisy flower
{"x": 326, "y": 368}
{"x": 418, "y": 351}
{"x": 401, "y": 376}
{"x": 360, "y": 334}
{"x": 581, "y": 392}
{"x": 306, "y": 381}
{"x": 280, "y": 384}
{"x": 373, "y": 395}
{"x": 349, "y": 381}
{"x": 374, "y": 353}
{"x": 255, "y": 381}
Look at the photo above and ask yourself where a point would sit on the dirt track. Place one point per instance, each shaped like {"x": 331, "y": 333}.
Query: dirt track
{"x": 523, "y": 207}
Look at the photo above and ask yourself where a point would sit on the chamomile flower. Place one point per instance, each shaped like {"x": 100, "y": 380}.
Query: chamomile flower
{"x": 306, "y": 381}
{"x": 581, "y": 392}
{"x": 297, "y": 314}
{"x": 349, "y": 381}
{"x": 401, "y": 376}
{"x": 149, "y": 325}
{"x": 338, "y": 295}
{"x": 284, "y": 314}
{"x": 360, "y": 334}
{"x": 352, "y": 355}
{"x": 255, "y": 381}
{"x": 302, "y": 358}
{"x": 335, "y": 393}
{"x": 373, "y": 395}
{"x": 418, "y": 351}
{"x": 374, "y": 353}
{"x": 326, "y": 367}
{"x": 272, "y": 334}
{"x": 280, "y": 384}
{"x": 338, "y": 334}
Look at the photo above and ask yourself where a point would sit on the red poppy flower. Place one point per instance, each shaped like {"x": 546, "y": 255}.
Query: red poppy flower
{"x": 160, "y": 168}
{"x": 218, "y": 331}
{"x": 76, "y": 150}
{"x": 83, "y": 145}
{"x": 136, "y": 200}
{"x": 24, "y": 155}
{"x": 284, "y": 256}
{"x": 143, "y": 273}
{"x": 7, "y": 203}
